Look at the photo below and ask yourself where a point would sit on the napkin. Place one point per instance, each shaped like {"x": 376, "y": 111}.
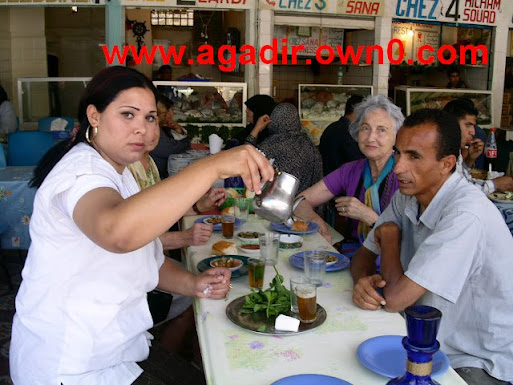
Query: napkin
{"x": 215, "y": 142}
{"x": 58, "y": 124}
{"x": 286, "y": 323}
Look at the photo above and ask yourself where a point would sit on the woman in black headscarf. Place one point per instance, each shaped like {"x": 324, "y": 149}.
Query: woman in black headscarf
{"x": 258, "y": 109}
{"x": 291, "y": 148}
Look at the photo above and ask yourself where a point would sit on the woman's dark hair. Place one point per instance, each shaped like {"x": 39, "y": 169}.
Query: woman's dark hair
{"x": 103, "y": 88}
{"x": 3, "y": 95}
{"x": 260, "y": 105}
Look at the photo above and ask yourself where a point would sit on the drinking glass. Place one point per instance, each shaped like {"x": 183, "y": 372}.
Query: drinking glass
{"x": 256, "y": 269}
{"x": 269, "y": 247}
{"x": 294, "y": 281}
{"x": 243, "y": 205}
{"x": 307, "y": 302}
{"x": 315, "y": 266}
{"x": 228, "y": 225}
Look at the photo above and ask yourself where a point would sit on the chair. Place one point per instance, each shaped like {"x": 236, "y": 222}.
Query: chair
{"x": 3, "y": 162}
{"x": 26, "y": 148}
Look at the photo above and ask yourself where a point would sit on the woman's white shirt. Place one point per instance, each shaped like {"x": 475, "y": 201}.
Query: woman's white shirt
{"x": 82, "y": 312}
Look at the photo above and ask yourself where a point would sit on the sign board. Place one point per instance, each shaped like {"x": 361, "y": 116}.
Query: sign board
{"x": 413, "y": 36}
{"x": 210, "y": 4}
{"x": 480, "y": 12}
{"x": 318, "y": 37}
{"x": 337, "y": 7}
{"x": 52, "y": 2}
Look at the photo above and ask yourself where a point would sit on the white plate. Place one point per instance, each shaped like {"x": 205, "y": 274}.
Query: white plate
{"x": 240, "y": 263}
{"x": 290, "y": 241}
{"x": 248, "y": 241}
{"x": 249, "y": 251}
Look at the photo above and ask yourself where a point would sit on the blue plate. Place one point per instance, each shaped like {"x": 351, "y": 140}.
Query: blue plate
{"x": 386, "y": 355}
{"x": 283, "y": 228}
{"x": 310, "y": 379}
{"x": 343, "y": 262}
{"x": 219, "y": 226}
{"x": 205, "y": 265}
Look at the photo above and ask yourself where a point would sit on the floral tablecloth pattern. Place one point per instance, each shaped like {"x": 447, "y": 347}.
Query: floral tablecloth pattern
{"x": 16, "y": 203}
{"x": 233, "y": 355}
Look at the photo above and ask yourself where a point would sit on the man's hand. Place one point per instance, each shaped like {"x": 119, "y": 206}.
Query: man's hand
{"x": 503, "y": 183}
{"x": 475, "y": 149}
{"x": 198, "y": 234}
{"x": 388, "y": 234}
{"x": 365, "y": 294}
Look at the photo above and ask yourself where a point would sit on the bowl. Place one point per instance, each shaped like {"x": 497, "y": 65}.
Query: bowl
{"x": 248, "y": 237}
{"x": 290, "y": 241}
{"x": 250, "y": 248}
{"x": 228, "y": 262}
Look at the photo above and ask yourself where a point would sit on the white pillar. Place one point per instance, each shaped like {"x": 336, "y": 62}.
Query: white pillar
{"x": 265, "y": 35}
{"x": 382, "y": 36}
{"x": 114, "y": 25}
{"x": 250, "y": 71}
{"x": 498, "y": 56}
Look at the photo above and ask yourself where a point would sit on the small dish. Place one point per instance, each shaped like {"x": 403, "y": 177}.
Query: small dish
{"x": 213, "y": 220}
{"x": 248, "y": 237}
{"x": 231, "y": 263}
{"x": 290, "y": 241}
{"x": 342, "y": 262}
{"x": 249, "y": 248}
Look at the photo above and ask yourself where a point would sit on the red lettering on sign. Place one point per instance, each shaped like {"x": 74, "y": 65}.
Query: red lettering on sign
{"x": 479, "y": 16}
{"x": 362, "y": 7}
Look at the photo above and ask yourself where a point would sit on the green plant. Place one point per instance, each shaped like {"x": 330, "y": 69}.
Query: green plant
{"x": 275, "y": 300}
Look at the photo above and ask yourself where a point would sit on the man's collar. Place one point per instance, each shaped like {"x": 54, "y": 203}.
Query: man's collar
{"x": 432, "y": 214}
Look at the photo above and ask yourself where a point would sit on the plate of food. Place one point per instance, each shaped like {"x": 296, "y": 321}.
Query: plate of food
{"x": 503, "y": 198}
{"x": 229, "y": 262}
{"x": 386, "y": 355}
{"x": 334, "y": 261}
{"x": 310, "y": 379}
{"x": 249, "y": 248}
{"x": 290, "y": 241}
{"x": 298, "y": 227}
{"x": 216, "y": 221}
{"x": 204, "y": 264}
{"x": 246, "y": 237}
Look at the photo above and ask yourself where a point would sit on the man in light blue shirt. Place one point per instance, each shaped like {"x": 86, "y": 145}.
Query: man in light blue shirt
{"x": 444, "y": 244}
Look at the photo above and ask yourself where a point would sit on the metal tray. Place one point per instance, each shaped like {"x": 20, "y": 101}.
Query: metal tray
{"x": 260, "y": 324}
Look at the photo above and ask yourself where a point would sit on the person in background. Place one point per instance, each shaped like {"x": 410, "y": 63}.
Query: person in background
{"x": 165, "y": 73}
{"x": 258, "y": 110}
{"x": 173, "y": 137}
{"x": 364, "y": 187}
{"x": 337, "y": 146}
{"x": 290, "y": 147}
{"x": 81, "y": 310}
{"x": 454, "y": 77}
{"x": 443, "y": 244}
{"x": 8, "y": 121}
{"x": 471, "y": 148}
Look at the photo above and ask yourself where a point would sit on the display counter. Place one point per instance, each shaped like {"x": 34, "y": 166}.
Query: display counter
{"x": 322, "y": 104}
{"x": 411, "y": 99}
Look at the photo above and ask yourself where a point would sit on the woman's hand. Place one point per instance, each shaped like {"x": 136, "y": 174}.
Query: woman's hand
{"x": 261, "y": 123}
{"x": 351, "y": 207}
{"x": 213, "y": 283}
{"x": 175, "y": 126}
{"x": 246, "y": 161}
{"x": 214, "y": 198}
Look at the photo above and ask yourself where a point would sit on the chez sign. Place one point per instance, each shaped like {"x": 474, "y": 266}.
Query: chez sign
{"x": 484, "y": 12}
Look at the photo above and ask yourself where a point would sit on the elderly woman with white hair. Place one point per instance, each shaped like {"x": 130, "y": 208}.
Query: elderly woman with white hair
{"x": 364, "y": 187}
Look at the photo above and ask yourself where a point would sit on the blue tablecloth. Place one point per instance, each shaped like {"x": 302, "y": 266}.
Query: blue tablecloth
{"x": 16, "y": 202}
{"x": 507, "y": 213}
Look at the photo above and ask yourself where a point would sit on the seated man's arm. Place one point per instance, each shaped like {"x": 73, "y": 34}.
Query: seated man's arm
{"x": 366, "y": 281}
{"x": 400, "y": 291}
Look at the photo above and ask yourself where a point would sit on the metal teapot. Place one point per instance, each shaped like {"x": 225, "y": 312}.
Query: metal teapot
{"x": 276, "y": 202}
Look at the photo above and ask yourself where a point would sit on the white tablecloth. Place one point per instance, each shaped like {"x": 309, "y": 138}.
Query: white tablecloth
{"x": 232, "y": 355}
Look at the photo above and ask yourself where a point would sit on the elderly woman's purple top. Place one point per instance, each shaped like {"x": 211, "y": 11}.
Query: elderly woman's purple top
{"x": 345, "y": 180}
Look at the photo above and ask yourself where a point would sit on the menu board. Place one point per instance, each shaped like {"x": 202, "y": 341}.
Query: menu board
{"x": 413, "y": 36}
{"x": 332, "y": 37}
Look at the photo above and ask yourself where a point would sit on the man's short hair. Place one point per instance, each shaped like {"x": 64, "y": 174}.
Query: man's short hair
{"x": 451, "y": 70}
{"x": 351, "y": 102}
{"x": 163, "y": 68}
{"x": 447, "y": 127}
{"x": 461, "y": 107}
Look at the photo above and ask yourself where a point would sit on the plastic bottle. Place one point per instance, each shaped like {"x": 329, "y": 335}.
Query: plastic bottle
{"x": 491, "y": 150}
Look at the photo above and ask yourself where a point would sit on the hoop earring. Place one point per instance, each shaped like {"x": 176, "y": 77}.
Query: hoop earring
{"x": 95, "y": 132}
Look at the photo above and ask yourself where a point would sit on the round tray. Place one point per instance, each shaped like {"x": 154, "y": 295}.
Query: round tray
{"x": 260, "y": 324}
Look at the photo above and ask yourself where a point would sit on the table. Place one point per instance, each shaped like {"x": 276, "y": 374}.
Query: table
{"x": 232, "y": 355}
{"x": 16, "y": 202}
{"x": 506, "y": 211}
